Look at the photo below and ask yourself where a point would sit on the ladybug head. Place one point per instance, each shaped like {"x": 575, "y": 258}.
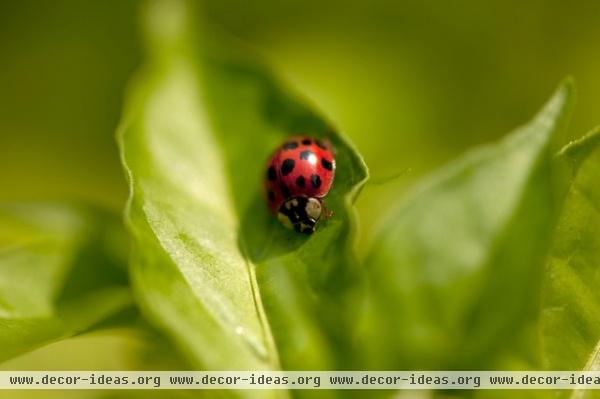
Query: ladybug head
{"x": 300, "y": 214}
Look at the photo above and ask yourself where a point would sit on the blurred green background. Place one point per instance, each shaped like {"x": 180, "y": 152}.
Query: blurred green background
{"x": 412, "y": 83}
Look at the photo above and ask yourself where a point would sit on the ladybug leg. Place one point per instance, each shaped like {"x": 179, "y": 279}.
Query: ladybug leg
{"x": 327, "y": 213}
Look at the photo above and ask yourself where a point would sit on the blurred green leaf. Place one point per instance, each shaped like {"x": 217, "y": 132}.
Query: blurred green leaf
{"x": 571, "y": 302}
{"x": 60, "y": 274}
{"x": 455, "y": 268}
{"x": 134, "y": 347}
{"x": 212, "y": 267}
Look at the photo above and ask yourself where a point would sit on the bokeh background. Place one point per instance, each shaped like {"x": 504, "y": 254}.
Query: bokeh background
{"x": 413, "y": 83}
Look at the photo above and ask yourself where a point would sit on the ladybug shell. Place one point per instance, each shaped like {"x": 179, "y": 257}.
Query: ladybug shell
{"x": 301, "y": 167}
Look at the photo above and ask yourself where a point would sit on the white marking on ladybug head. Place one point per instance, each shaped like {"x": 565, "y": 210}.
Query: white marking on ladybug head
{"x": 284, "y": 220}
{"x": 313, "y": 208}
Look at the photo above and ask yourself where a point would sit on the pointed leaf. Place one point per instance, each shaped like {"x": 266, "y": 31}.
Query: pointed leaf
{"x": 571, "y": 300}
{"x": 59, "y": 274}
{"x": 455, "y": 268}
{"x": 212, "y": 267}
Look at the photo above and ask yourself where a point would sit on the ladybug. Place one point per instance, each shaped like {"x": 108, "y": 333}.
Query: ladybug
{"x": 299, "y": 174}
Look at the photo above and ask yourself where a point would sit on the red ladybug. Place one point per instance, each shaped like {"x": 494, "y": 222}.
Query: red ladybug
{"x": 299, "y": 174}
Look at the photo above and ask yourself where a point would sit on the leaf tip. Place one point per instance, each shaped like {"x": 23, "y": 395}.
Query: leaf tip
{"x": 566, "y": 93}
{"x": 577, "y": 150}
{"x": 568, "y": 82}
{"x": 554, "y": 117}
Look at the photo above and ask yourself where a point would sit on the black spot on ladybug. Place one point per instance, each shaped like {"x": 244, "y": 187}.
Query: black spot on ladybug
{"x": 287, "y": 166}
{"x": 271, "y": 196}
{"x": 290, "y": 145}
{"x": 306, "y": 154}
{"x": 326, "y": 164}
{"x": 285, "y": 191}
{"x": 300, "y": 181}
{"x": 320, "y": 144}
{"x": 271, "y": 174}
{"x": 307, "y": 141}
{"x": 315, "y": 180}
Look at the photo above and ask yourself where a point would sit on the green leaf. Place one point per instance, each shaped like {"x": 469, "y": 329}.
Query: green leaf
{"x": 212, "y": 267}
{"x": 60, "y": 274}
{"x": 570, "y": 322}
{"x": 455, "y": 267}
